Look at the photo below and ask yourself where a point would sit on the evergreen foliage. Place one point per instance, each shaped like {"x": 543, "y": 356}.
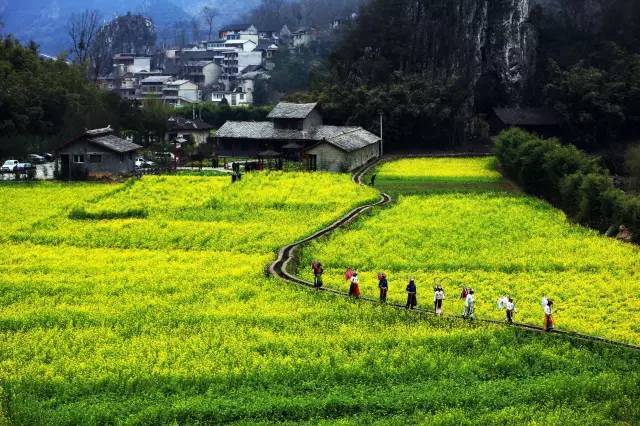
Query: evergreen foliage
{"x": 568, "y": 178}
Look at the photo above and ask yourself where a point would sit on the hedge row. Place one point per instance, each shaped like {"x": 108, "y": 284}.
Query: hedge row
{"x": 569, "y": 179}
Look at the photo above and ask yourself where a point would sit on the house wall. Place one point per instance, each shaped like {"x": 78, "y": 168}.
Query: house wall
{"x": 112, "y": 164}
{"x": 251, "y": 37}
{"x": 189, "y": 91}
{"x": 332, "y": 159}
{"x": 364, "y": 155}
{"x": 140, "y": 64}
{"x": 246, "y": 59}
{"x": 313, "y": 120}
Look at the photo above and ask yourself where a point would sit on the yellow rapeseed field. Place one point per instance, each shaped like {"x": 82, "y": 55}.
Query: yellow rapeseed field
{"x": 147, "y": 303}
{"x": 496, "y": 242}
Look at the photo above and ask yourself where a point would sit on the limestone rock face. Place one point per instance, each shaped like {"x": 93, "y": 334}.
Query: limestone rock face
{"x": 500, "y": 43}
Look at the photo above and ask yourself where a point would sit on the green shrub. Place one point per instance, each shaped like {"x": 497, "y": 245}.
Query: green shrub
{"x": 79, "y": 213}
{"x": 567, "y": 177}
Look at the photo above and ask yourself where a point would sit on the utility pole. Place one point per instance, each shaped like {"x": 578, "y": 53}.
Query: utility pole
{"x": 381, "y": 139}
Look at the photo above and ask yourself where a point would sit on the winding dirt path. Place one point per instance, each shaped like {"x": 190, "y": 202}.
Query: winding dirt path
{"x": 280, "y": 268}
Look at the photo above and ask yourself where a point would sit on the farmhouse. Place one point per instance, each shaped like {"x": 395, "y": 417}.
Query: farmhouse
{"x": 297, "y": 131}
{"x": 97, "y": 154}
{"x": 542, "y": 121}
{"x": 183, "y": 128}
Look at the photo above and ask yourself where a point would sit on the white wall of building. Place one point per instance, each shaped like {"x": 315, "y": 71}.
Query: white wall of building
{"x": 140, "y": 64}
{"x": 246, "y": 59}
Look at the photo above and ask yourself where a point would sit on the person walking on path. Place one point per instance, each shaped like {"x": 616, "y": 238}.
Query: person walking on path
{"x": 438, "y": 297}
{"x": 317, "y": 269}
{"x": 354, "y": 288}
{"x": 506, "y": 303}
{"x": 469, "y": 305}
{"x": 511, "y": 308}
{"x": 383, "y": 285}
{"x": 373, "y": 179}
{"x": 412, "y": 299}
{"x": 547, "y": 305}
{"x": 348, "y": 274}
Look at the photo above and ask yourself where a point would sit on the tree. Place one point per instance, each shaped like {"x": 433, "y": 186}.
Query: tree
{"x": 209, "y": 14}
{"x": 195, "y": 30}
{"x": 82, "y": 30}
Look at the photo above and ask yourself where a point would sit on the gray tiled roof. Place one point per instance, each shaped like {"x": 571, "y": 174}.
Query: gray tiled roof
{"x": 289, "y": 110}
{"x": 181, "y": 123}
{"x": 527, "y": 116}
{"x": 114, "y": 143}
{"x": 353, "y": 140}
{"x": 346, "y": 138}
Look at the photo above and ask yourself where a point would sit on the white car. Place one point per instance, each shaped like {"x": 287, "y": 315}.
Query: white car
{"x": 10, "y": 165}
{"x": 141, "y": 163}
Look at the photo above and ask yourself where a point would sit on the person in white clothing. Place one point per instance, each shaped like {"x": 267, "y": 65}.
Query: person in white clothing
{"x": 438, "y": 297}
{"x": 548, "y": 319}
{"x": 469, "y": 308}
{"x": 511, "y": 307}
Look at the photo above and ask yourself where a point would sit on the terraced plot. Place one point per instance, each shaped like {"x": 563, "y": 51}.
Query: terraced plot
{"x": 147, "y": 302}
{"x": 497, "y": 242}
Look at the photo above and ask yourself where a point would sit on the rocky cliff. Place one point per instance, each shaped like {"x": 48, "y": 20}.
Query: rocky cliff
{"x": 498, "y": 46}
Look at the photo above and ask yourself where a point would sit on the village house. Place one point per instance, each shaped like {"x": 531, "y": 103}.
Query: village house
{"x": 97, "y": 154}
{"x": 152, "y": 87}
{"x": 297, "y": 131}
{"x": 203, "y": 73}
{"x": 180, "y": 92}
{"x": 544, "y": 122}
{"x": 303, "y": 37}
{"x": 238, "y": 32}
{"x": 125, "y": 63}
{"x": 180, "y": 129}
{"x": 242, "y": 95}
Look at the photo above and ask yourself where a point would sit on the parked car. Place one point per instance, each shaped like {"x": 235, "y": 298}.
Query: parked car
{"x": 49, "y": 157}
{"x": 37, "y": 159}
{"x": 22, "y": 167}
{"x": 142, "y": 163}
{"x": 10, "y": 165}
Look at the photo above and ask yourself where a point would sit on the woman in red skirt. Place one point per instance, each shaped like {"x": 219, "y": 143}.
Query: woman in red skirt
{"x": 354, "y": 288}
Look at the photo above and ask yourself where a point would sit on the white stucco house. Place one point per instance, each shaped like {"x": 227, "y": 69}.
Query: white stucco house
{"x": 180, "y": 92}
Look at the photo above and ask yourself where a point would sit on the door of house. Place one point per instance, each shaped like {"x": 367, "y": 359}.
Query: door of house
{"x": 312, "y": 162}
{"x": 64, "y": 166}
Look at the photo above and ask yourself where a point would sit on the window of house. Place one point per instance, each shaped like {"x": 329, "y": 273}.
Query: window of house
{"x": 242, "y": 97}
{"x": 95, "y": 158}
{"x": 78, "y": 158}
{"x": 121, "y": 157}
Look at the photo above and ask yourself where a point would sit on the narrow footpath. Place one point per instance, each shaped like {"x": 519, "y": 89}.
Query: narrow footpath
{"x": 281, "y": 268}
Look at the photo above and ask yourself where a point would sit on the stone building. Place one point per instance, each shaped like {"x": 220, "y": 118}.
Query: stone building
{"x": 297, "y": 131}
{"x": 97, "y": 154}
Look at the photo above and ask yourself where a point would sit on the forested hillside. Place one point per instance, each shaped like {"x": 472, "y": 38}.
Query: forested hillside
{"x": 435, "y": 69}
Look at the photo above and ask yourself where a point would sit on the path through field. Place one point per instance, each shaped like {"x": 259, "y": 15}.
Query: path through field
{"x": 457, "y": 220}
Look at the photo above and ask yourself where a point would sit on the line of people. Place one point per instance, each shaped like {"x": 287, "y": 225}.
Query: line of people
{"x": 467, "y": 295}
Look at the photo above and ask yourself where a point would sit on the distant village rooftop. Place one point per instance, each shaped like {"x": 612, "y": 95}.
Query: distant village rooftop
{"x": 181, "y": 123}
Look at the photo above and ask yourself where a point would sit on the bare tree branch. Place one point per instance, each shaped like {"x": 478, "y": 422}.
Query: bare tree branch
{"x": 82, "y": 30}
{"x": 209, "y": 14}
